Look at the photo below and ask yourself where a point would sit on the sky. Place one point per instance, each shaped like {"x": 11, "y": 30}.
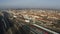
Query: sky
{"x": 31, "y": 3}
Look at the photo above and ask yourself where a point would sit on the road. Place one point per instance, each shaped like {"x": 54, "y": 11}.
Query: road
{"x": 24, "y": 29}
{"x": 7, "y": 25}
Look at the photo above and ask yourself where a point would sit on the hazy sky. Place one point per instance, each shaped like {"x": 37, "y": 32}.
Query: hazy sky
{"x": 30, "y": 3}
